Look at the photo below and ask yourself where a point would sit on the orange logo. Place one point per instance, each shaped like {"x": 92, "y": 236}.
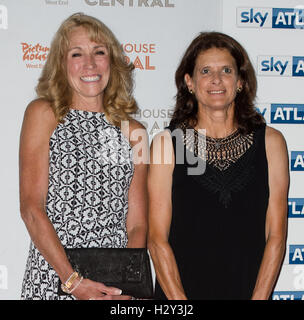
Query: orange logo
{"x": 34, "y": 55}
{"x": 140, "y": 54}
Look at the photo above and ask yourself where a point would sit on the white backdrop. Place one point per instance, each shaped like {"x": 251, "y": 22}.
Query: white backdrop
{"x": 154, "y": 34}
{"x": 272, "y": 33}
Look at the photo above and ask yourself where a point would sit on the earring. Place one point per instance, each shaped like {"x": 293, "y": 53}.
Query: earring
{"x": 239, "y": 89}
{"x": 190, "y": 90}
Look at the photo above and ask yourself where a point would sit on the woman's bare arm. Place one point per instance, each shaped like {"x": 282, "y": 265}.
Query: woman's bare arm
{"x": 160, "y": 213}
{"x": 276, "y": 218}
{"x": 137, "y": 218}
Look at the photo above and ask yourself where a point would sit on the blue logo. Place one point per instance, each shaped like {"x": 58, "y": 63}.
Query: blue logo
{"x": 288, "y": 295}
{"x": 282, "y": 113}
{"x": 287, "y": 113}
{"x": 296, "y": 208}
{"x": 298, "y": 66}
{"x": 276, "y": 18}
{"x": 291, "y": 18}
{"x": 288, "y": 66}
{"x": 296, "y": 254}
{"x": 254, "y": 17}
{"x": 297, "y": 161}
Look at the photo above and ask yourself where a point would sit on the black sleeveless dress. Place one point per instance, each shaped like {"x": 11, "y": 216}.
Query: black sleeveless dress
{"x": 218, "y": 218}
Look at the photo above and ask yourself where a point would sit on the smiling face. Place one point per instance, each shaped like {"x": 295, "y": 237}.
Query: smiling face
{"x": 87, "y": 66}
{"x": 215, "y": 79}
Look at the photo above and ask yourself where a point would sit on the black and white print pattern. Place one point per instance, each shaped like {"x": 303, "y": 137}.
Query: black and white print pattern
{"x": 90, "y": 171}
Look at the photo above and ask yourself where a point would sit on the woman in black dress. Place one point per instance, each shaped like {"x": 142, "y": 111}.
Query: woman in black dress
{"x": 217, "y": 232}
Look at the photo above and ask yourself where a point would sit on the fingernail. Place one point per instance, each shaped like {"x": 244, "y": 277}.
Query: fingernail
{"x": 119, "y": 292}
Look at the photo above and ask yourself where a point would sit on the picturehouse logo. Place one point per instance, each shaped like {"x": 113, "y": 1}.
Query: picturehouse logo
{"x": 57, "y": 2}
{"x": 155, "y": 119}
{"x": 140, "y": 54}
{"x": 275, "y": 18}
{"x": 132, "y": 3}
{"x": 34, "y": 55}
{"x": 3, "y": 17}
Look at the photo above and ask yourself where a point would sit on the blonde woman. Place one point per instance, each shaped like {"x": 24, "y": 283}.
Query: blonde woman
{"x": 79, "y": 183}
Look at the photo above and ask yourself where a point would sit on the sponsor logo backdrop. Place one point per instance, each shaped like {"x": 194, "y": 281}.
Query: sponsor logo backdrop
{"x": 272, "y": 32}
{"x": 154, "y": 35}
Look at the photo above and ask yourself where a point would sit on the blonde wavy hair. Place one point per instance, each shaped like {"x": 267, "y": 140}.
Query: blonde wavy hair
{"x": 53, "y": 84}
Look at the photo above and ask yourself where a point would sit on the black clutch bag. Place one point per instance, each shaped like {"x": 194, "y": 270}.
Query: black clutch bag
{"x": 125, "y": 268}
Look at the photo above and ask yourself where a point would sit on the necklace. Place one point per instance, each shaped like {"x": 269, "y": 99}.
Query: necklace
{"x": 220, "y": 152}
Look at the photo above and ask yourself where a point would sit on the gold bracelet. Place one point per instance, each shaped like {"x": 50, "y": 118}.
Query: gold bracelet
{"x": 68, "y": 284}
{"x": 76, "y": 286}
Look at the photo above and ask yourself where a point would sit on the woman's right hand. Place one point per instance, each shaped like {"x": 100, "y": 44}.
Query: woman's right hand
{"x": 92, "y": 290}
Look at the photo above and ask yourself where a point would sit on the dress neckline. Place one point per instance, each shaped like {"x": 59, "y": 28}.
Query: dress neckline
{"x": 86, "y": 111}
{"x": 235, "y": 133}
{"x": 219, "y": 152}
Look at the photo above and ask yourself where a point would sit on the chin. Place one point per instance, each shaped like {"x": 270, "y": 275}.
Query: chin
{"x": 92, "y": 93}
{"x": 219, "y": 107}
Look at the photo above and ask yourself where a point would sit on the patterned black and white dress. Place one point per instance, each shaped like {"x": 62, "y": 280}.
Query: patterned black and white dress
{"x": 90, "y": 171}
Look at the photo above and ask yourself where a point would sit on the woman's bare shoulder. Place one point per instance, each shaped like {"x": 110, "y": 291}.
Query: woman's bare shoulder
{"x": 274, "y": 138}
{"x": 40, "y": 108}
{"x": 39, "y": 117}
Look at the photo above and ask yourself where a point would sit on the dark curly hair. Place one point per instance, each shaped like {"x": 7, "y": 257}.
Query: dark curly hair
{"x": 186, "y": 106}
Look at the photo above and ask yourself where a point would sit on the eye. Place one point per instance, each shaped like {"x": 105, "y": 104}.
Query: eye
{"x": 227, "y": 70}
{"x": 205, "y": 71}
{"x": 100, "y": 52}
{"x": 76, "y": 54}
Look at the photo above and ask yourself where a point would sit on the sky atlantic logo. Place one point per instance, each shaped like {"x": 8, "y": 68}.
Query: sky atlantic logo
{"x": 281, "y": 66}
{"x": 296, "y": 208}
{"x": 275, "y": 18}
{"x": 296, "y": 254}
{"x": 297, "y": 161}
{"x": 3, "y": 17}
{"x": 132, "y": 3}
{"x": 288, "y": 295}
{"x": 287, "y": 113}
{"x": 282, "y": 113}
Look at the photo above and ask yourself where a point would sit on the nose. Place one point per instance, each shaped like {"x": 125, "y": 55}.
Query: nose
{"x": 216, "y": 77}
{"x": 90, "y": 61}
